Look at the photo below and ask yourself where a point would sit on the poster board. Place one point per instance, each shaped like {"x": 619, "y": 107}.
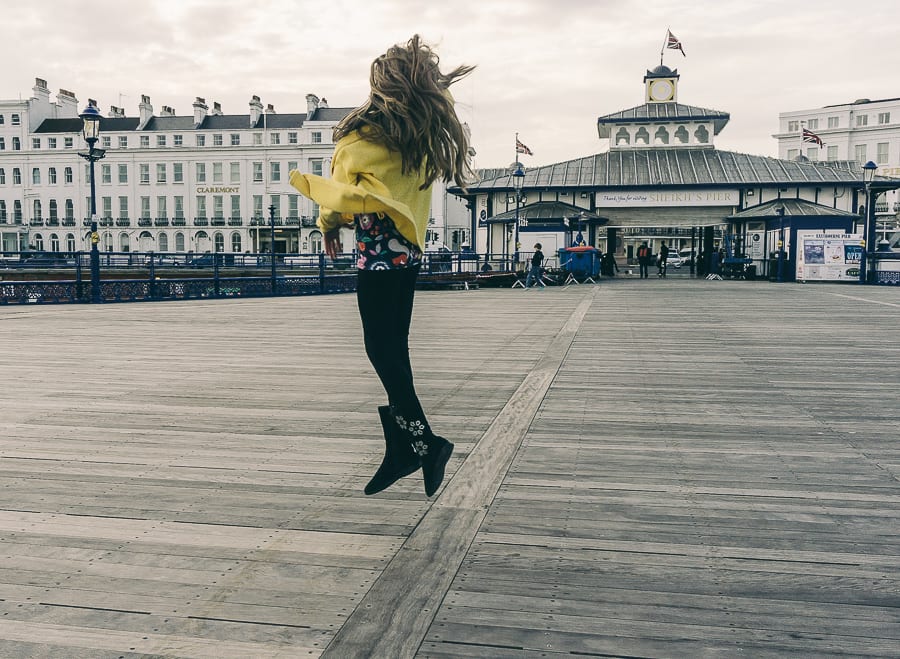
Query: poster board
{"x": 828, "y": 256}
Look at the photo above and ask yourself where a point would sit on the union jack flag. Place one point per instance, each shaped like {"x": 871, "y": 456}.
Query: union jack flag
{"x": 812, "y": 138}
{"x": 521, "y": 148}
{"x": 673, "y": 42}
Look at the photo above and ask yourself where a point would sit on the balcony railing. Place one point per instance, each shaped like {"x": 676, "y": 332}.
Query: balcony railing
{"x": 68, "y": 222}
{"x": 217, "y": 222}
{"x": 123, "y": 222}
{"x": 201, "y": 222}
{"x": 235, "y": 221}
{"x": 161, "y": 222}
{"x": 179, "y": 222}
{"x": 36, "y": 222}
{"x": 144, "y": 222}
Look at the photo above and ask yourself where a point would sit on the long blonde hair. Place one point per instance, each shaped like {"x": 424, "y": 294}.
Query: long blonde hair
{"x": 410, "y": 111}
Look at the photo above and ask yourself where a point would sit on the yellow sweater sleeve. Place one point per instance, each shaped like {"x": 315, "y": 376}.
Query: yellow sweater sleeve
{"x": 366, "y": 178}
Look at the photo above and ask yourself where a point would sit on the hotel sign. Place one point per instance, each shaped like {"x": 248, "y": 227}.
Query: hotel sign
{"x": 650, "y": 198}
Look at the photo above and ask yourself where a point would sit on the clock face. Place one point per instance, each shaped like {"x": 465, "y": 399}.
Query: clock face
{"x": 662, "y": 90}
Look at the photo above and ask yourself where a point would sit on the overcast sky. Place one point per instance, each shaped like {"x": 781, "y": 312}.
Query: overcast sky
{"x": 546, "y": 68}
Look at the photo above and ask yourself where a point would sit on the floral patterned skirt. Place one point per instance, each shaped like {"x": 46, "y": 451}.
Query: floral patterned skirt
{"x": 381, "y": 246}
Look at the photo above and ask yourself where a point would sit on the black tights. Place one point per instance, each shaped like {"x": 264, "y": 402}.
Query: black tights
{"x": 385, "y": 300}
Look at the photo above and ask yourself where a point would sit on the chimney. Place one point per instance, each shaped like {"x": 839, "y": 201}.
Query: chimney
{"x": 256, "y": 109}
{"x": 67, "y": 103}
{"x": 270, "y": 109}
{"x": 323, "y": 103}
{"x": 200, "y": 109}
{"x": 146, "y": 110}
{"x": 116, "y": 113}
{"x": 41, "y": 91}
{"x": 312, "y": 102}
{"x": 217, "y": 109}
{"x": 167, "y": 111}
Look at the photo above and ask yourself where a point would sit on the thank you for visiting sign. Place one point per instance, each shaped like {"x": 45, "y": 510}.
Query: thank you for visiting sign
{"x": 651, "y": 198}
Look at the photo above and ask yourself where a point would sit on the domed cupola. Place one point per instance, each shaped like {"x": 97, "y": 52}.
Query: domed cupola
{"x": 661, "y": 85}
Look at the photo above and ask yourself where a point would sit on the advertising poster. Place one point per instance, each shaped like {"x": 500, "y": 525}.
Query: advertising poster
{"x": 830, "y": 256}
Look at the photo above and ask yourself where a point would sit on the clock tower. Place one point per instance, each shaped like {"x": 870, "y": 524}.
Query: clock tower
{"x": 661, "y": 85}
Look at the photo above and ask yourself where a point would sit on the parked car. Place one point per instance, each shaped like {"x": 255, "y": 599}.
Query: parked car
{"x": 45, "y": 260}
{"x": 674, "y": 260}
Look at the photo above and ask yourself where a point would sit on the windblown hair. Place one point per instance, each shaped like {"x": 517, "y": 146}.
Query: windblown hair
{"x": 410, "y": 111}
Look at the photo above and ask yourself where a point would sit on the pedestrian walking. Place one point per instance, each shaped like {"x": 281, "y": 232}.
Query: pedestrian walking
{"x": 388, "y": 152}
{"x": 663, "y": 259}
{"x": 644, "y": 256}
{"x": 534, "y": 272}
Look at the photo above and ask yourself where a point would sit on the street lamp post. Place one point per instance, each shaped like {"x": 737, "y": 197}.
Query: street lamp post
{"x": 867, "y": 258}
{"x": 90, "y": 118}
{"x": 272, "y": 245}
{"x": 780, "y": 212}
{"x": 518, "y": 180}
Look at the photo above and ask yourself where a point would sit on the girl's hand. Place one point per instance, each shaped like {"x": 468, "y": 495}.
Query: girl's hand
{"x": 333, "y": 243}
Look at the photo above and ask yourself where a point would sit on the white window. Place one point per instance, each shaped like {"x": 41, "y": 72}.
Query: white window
{"x": 51, "y": 142}
{"x": 884, "y": 117}
{"x": 201, "y": 172}
{"x": 292, "y": 165}
{"x": 793, "y": 126}
{"x": 51, "y": 176}
{"x": 145, "y": 208}
{"x": 792, "y": 153}
{"x": 107, "y": 207}
{"x": 293, "y": 205}
{"x": 161, "y": 172}
{"x": 163, "y": 242}
{"x": 16, "y": 144}
{"x": 832, "y": 152}
{"x": 177, "y": 140}
{"x": 123, "y": 173}
{"x": 862, "y": 120}
{"x": 123, "y": 206}
{"x": 235, "y": 139}
{"x": 257, "y": 139}
{"x": 275, "y": 138}
{"x": 257, "y": 172}
{"x": 68, "y": 142}
{"x": 106, "y": 141}
{"x": 145, "y": 173}
{"x": 67, "y": 175}
{"x": 217, "y": 172}
{"x": 235, "y": 172}
{"x": 275, "y": 202}
{"x": 123, "y": 141}
{"x": 860, "y": 153}
{"x": 813, "y": 153}
{"x": 201, "y": 206}
{"x": 161, "y": 206}
{"x": 178, "y": 172}
{"x": 106, "y": 174}
{"x": 36, "y": 176}
{"x": 316, "y": 137}
{"x": 235, "y": 206}
{"x": 217, "y": 139}
{"x": 292, "y": 137}
{"x": 145, "y": 141}
{"x": 275, "y": 171}
{"x": 201, "y": 140}
{"x": 257, "y": 206}
{"x": 160, "y": 140}
{"x": 2, "y": 176}
{"x": 35, "y": 142}
{"x": 812, "y": 124}
{"x": 218, "y": 206}
{"x": 2, "y": 144}
{"x": 14, "y": 119}
{"x": 315, "y": 166}
{"x": 881, "y": 153}
{"x": 179, "y": 206}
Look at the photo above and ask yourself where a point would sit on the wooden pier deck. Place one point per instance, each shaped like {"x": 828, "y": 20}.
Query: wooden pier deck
{"x": 643, "y": 469}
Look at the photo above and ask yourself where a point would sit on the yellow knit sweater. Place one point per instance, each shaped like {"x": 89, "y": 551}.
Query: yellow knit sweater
{"x": 367, "y": 178}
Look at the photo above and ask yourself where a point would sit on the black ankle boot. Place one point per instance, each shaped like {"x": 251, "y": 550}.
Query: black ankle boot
{"x": 432, "y": 450}
{"x": 399, "y": 458}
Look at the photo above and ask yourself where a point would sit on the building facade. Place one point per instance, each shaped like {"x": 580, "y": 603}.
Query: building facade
{"x": 662, "y": 178}
{"x": 864, "y": 130}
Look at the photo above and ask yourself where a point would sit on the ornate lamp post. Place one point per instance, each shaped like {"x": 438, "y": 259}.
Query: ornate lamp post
{"x": 90, "y": 118}
{"x": 867, "y": 258}
{"x": 272, "y": 246}
{"x": 518, "y": 177}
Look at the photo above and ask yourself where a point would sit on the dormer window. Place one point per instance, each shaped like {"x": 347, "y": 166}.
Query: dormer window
{"x": 661, "y": 136}
{"x": 642, "y": 136}
{"x": 622, "y": 137}
{"x": 702, "y": 134}
{"x": 681, "y": 135}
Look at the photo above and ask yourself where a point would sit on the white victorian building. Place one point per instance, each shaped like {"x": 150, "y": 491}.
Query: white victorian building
{"x": 864, "y": 130}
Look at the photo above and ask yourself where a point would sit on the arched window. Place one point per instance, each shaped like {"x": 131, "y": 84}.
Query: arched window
{"x": 701, "y": 134}
{"x": 661, "y": 136}
{"x": 642, "y": 136}
{"x": 106, "y": 242}
{"x": 124, "y": 245}
{"x": 315, "y": 242}
{"x": 163, "y": 242}
{"x": 36, "y": 176}
{"x": 682, "y": 135}
{"x": 622, "y": 137}
{"x": 179, "y": 242}
{"x": 37, "y": 209}
{"x": 236, "y": 243}
{"x": 70, "y": 242}
{"x": 54, "y": 242}
{"x": 219, "y": 241}
{"x": 67, "y": 174}
{"x": 38, "y": 242}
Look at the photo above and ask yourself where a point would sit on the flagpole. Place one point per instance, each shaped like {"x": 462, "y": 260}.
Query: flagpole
{"x": 663, "y": 49}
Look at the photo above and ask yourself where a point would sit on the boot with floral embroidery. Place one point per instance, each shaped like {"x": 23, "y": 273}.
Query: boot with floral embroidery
{"x": 399, "y": 458}
{"x": 433, "y": 451}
